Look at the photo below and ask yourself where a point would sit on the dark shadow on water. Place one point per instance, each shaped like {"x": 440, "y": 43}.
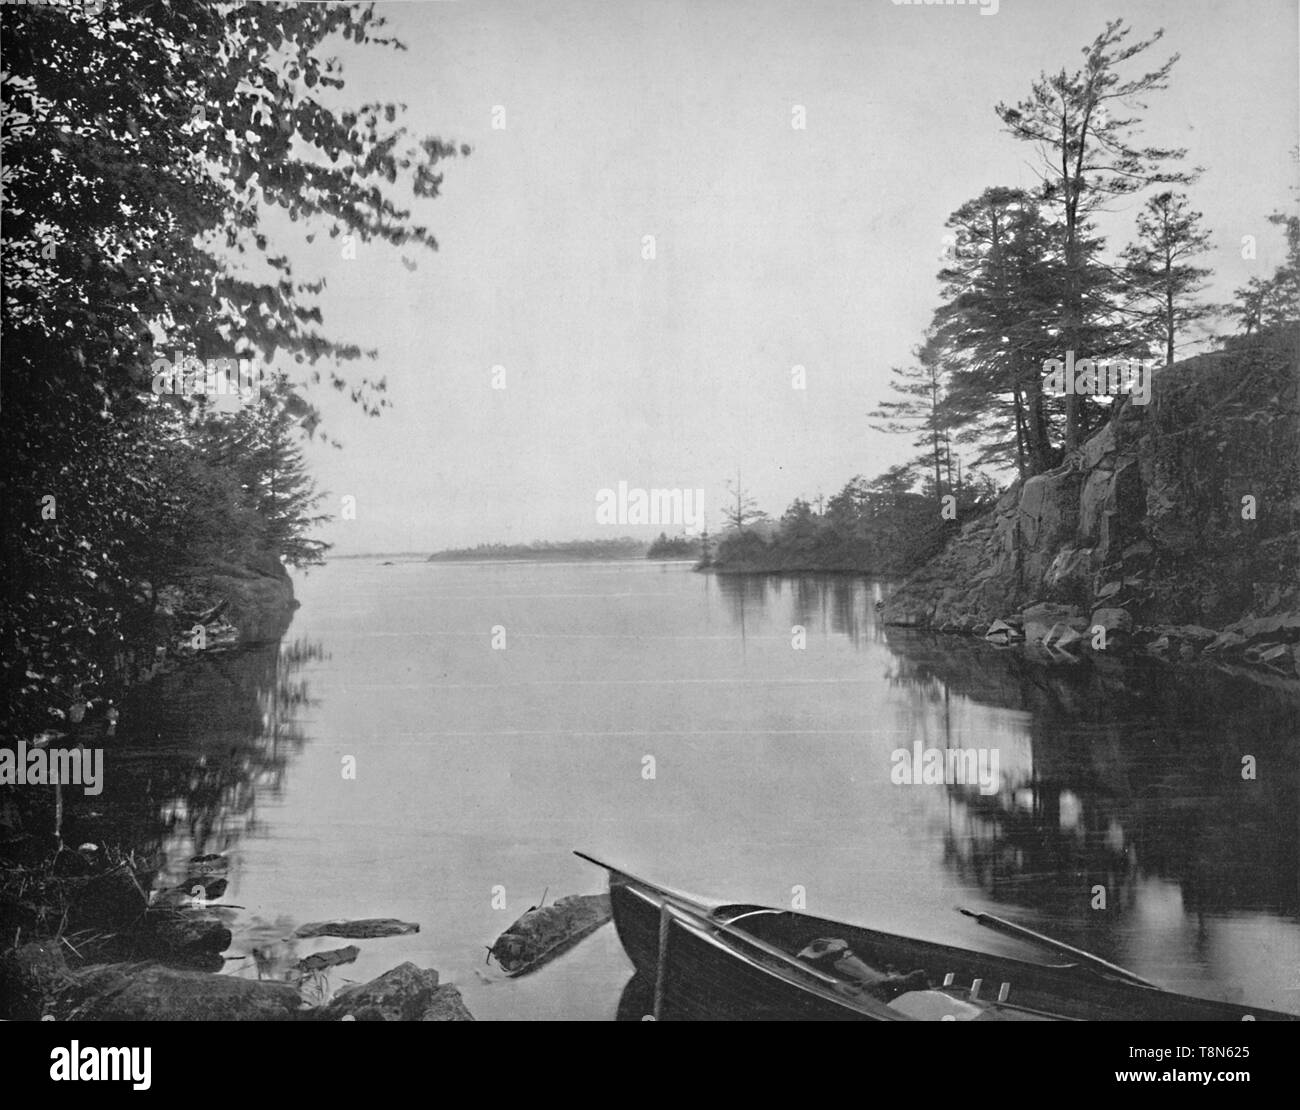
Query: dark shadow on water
{"x": 637, "y": 999}
{"x": 195, "y": 752}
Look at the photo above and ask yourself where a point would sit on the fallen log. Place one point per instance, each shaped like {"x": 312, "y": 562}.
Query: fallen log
{"x": 542, "y": 934}
{"x": 319, "y": 961}
{"x": 366, "y": 929}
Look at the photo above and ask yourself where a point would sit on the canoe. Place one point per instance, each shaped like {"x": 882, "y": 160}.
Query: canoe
{"x": 700, "y": 960}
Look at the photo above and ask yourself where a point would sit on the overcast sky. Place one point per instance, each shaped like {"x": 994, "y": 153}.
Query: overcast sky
{"x": 774, "y": 246}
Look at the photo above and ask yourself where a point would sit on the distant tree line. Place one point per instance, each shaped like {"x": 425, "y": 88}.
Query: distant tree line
{"x": 625, "y": 547}
{"x": 674, "y": 547}
{"x": 869, "y": 527}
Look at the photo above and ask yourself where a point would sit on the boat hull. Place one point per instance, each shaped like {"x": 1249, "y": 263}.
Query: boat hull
{"x": 704, "y": 981}
{"x": 712, "y": 973}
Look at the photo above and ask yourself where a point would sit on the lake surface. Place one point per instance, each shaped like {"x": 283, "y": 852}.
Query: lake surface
{"x": 478, "y": 769}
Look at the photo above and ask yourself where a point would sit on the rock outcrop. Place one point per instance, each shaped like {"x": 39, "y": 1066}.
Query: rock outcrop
{"x": 1182, "y": 513}
{"x": 240, "y": 604}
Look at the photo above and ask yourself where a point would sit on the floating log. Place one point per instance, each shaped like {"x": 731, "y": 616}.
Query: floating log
{"x": 542, "y": 934}
{"x": 319, "y": 961}
{"x": 366, "y": 929}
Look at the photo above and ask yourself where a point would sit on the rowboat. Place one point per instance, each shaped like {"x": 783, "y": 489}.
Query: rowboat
{"x": 699, "y": 960}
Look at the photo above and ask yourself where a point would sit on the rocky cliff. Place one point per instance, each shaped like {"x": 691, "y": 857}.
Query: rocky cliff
{"x": 1176, "y": 520}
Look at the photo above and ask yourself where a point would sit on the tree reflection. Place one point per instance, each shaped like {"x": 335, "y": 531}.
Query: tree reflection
{"x": 1132, "y": 772}
{"x": 195, "y": 753}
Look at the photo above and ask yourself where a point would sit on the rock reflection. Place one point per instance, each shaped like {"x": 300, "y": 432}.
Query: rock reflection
{"x": 1133, "y": 772}
{"x": 1148, "y": 812}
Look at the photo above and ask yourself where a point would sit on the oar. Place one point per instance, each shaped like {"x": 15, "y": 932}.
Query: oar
{"x": 1002, "y": 925}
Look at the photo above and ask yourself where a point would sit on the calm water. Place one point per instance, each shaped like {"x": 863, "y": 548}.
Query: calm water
{"x": 479, "y": 768}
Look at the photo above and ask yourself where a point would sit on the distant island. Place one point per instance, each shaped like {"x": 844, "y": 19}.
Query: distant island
{"x": 625, "y": 547}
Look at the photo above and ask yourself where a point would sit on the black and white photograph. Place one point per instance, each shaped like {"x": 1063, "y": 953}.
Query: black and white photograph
{"x": 650, "y": 510}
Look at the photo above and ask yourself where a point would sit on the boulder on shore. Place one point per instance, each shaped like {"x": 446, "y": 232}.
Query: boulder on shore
{"x": 31, "y": 977}
{"x": 178, "y": 930}
{"x": 407, "y": 993}
{"x": 130, "y": 992}
{"x": 1039, "y": 620}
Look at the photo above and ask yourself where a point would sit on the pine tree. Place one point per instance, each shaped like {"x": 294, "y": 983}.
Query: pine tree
{"x": 743, "y": 509}
{"x": 1088, "y": 157}
{"x": 918, "y": 413}
{"x": 998, "y": 325}
{"x": 1160, "y": 272}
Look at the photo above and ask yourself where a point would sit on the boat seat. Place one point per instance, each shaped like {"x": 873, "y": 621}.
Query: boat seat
{"x": 935, "y": 1006}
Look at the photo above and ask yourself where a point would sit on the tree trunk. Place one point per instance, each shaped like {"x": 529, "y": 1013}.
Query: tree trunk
{"x": 1020, "y": 432}
{"x": 1169, "y": 326}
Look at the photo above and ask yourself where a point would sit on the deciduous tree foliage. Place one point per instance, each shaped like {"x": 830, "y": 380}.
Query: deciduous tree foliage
{"x": 142, "y": 148}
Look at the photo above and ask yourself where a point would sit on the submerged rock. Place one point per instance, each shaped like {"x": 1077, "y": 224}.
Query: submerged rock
{"x": 542, "y": 934}
{"x": 1062, "y": 637}
{"x": 1002, "y": 632}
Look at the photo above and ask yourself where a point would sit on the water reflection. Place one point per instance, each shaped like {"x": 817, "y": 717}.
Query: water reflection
{"x": 836, "y": 602}
{"x": 1134, "y": 772}
{"x": 195, "y": 752}
{"x": 1124, "y": 778}
{"x": 1120, "y": 784}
